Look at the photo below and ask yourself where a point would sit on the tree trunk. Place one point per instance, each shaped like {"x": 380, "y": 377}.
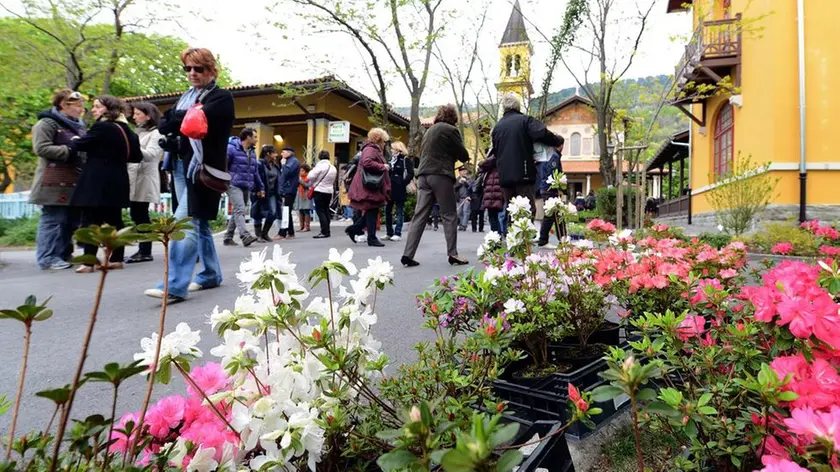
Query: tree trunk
{"x": 414, "y": 134}
{"x": 607, "y": 163}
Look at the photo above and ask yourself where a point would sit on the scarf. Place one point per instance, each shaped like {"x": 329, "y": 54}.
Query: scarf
{"x": 187, "y": 100}
{"x": 76, "y": 125}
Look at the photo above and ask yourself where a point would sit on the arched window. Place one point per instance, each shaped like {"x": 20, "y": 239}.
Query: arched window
{"x": 724, "y": 141}
{"x": 575, "y": 151}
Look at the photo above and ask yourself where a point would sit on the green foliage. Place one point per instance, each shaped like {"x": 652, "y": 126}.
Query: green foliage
{"x": 605, "y": 202}
{"x": 4, "y": 405}
{"x": 716, "y": 240}
{"x": 18, "y": 113}
{"x": 774, "y": 232}
{"x": 19, "y": 232}
{"x": 619, "y": 454}
{"x": 742, "y": 194}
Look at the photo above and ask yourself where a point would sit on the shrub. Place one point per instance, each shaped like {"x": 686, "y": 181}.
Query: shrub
{"x": 20, "y": 232}
{"x": 716, "y": 240}
{"x": 803, "y": 242}
{"x": 605, "y": 203}
{"x": 742, "y": 194}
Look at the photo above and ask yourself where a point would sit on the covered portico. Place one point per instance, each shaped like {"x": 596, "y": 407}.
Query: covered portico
{"x": 668, "y": 169}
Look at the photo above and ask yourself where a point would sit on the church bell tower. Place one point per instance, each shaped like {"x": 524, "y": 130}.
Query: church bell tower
{"x": 515, "y": 52}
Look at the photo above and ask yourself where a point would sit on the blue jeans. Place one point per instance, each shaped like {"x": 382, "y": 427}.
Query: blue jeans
{"x": 348, "y": 212}
{"x": 198, "y": 243}
{"x": 389, "y": 220}
{"x": 503, "y": 221}
{"x": 259, "y": 206}
{"x": 54, "y": 240}
{"x": 464, "y": 210}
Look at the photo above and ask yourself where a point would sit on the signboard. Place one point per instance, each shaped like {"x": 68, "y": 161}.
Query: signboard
{"x": 339, "y": 132}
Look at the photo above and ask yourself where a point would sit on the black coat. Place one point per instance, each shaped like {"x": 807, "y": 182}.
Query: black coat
{"x": 104, "y": 178}
{"x": 220, "y": 112}
{"x": 513, "y": 144}
{"x": 402, "y": 171}
{"x": 493, "y": 197}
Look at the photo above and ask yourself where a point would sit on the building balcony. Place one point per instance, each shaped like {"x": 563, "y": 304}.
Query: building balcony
{"x": 713, "y": 53}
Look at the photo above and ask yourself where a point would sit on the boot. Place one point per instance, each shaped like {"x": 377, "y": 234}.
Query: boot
{"x": 308, "y": 222}
{"x": 264, "y": 233}
{"x": 258, "y": 232}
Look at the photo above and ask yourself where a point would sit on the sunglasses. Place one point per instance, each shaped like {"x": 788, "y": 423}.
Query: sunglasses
{"x": 197, "y": 69}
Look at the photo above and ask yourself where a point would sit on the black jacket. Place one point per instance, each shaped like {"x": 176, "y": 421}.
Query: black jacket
{"x": 402, "y": 171}
{"x": 220, "y": 112}
{"x": 513, "y": 144}
{"x": 442, "y": 146}
{"x": 104, "y": 178}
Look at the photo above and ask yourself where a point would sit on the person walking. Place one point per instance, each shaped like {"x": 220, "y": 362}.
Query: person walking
{"x": 462, "y": 193}
{"x": 144, "y": 176}
{"x": 194, "y": 159}
{"x": 323, "y": 177}
{"x": 56, "y": 177}
{"x": 103, "y": 187}
{"x": 493, "y": 199}
{"x": 402, "y": 173}
{"x": 442, "y": 146}
{"x": 343, "y": 199}
{"x": 287, "y": 186}
{"x": 303, "y": 204}
{"x": 265, "y": 208}
{"x": 244, "y": 178}
{"x": 513, "y": 139}
{"x": 590, "y": 200}
{"x": 545, "y": 170}
{"x": 476, "y": 211}
{"x": 371, "y": 187}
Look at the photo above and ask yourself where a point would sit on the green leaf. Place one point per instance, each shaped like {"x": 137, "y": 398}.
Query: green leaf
{"x": 87, "y": 259}
{"x": 436, "y": 455}
{"x": 606, "y": 392}
{"x": 44, "y": 315}
{"x": 395, "y": 460}
{"x": 662, "y": 408}
{"x": 389, "y": 434}
{"x": 704, "y": 399}
{"x": 456, "y": 461}
{"x": 508, "y": 461}
{"x": 707, "y": 410}
{"x": 503, "y": 435}
{"x": 788, "y": 396}
{"x": 646, "y": 395}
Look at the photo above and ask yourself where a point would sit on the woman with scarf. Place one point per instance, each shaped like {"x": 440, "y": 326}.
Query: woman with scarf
{"x": 303, "y": 204}
{"x": 56, "y": 177}
{"x": 103, "y": 187}
{"x": 194, "y": 198}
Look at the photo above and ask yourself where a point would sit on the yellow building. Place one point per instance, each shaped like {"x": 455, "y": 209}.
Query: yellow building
{"x": 784, "y": 68}
{"x": 309, "y": 115}
{"x": 515, "y": 59}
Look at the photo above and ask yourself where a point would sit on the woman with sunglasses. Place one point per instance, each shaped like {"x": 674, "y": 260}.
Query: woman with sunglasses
{"x": 103, "y": 187}
{"x": 195, "y": 199}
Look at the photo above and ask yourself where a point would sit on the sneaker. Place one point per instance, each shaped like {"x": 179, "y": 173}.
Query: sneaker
{"x": 61, "y": 265}
{"x": 137, "y": 257}
{"x": 361, "y": 238}
{"x": 154, "y": 293}
{"x": 395, "y": 238}
{"x": 193, "y": 287}
{"x": 387, "y": 238}
{"x": 249, "y": 240}
{"x": 230, "y": 242}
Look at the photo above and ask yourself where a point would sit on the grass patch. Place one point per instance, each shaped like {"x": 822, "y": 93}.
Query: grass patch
{"x": 19, "y": 232}
{"x": 619, "y": 455}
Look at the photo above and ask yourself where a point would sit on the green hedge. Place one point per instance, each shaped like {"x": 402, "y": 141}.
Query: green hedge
{"x": 605, "y": 206}
{"x": 19, "y": 232}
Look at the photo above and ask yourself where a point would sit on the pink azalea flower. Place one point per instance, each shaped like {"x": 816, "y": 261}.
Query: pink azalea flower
{"x": 210, "y": 378}
{"x": 782, "y": 248}
{"x": 812, "y": 424}
{"x": 830, "y": 251}
{"x": 165, "y": 415}
{"x": 121, "y": 440}
{"x": 775, "y": 464}
{"x": 728, "y": 273}
{"x": 691, "y": 326}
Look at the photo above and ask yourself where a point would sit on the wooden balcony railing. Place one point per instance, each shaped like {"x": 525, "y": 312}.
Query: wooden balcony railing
{"x": 714, "y": 43}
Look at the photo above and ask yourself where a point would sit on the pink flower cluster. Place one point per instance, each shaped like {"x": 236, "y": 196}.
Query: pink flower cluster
{"x": 602, "y": 227}
{"x": 782, "y": 249}
{"x": 792, "y": 297}
{"x": 822, "y": 231}
{"x": 185, "y": 417}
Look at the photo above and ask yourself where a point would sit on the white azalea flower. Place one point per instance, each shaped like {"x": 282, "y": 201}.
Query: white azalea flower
{"x": 514, "y": 306}
{"x": 492, "y": 238}
{"x": 203, "y": 460}
{"x": 481, "y": 250}
{"x": 571, "y": 208}
{"x": 492, "y": 273}
{"x": 345, "y": 259}
{"x": 218, "y": 317}
{"x": 583, "y": 244}
{"x": 519, "y": 205}
{"x": 377, "y": 272}
{"x": 237, "y": 343}
{"x": 552, "y": 205}
{"x": 182, "y": 341}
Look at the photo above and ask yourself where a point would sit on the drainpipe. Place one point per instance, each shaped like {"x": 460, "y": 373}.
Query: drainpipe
{"x": 803, "y": 171}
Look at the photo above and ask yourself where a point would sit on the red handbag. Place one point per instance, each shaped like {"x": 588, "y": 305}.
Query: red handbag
{"x": 195, "y": 122}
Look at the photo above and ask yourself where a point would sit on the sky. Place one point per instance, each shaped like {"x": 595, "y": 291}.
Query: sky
{"x": 261, "y": 45}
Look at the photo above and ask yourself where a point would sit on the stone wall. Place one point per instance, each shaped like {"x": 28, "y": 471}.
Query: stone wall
{"x": 706, "y": 222}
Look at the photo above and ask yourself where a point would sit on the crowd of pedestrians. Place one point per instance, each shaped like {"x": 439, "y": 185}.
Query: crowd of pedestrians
{"x": 88, "y": 176}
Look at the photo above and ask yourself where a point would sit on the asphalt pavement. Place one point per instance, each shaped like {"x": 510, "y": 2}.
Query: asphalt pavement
{"x": 126, "y": 315}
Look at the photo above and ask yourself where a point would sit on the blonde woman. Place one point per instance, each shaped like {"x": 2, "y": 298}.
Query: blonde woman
{"x": 371, "y": 187}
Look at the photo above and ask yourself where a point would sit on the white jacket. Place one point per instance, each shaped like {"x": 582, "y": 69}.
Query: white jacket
{"x": 144, "y": 176}
{"x": 323, "y": 176}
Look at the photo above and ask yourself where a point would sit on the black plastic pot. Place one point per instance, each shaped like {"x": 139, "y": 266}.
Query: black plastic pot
{"x": 609, "y": 334}
{"x": 551, "y": 454}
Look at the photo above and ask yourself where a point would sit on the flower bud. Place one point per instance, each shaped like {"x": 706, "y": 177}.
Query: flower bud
{"x": 414, "y": 414}
{"x": 317, "y": 335}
